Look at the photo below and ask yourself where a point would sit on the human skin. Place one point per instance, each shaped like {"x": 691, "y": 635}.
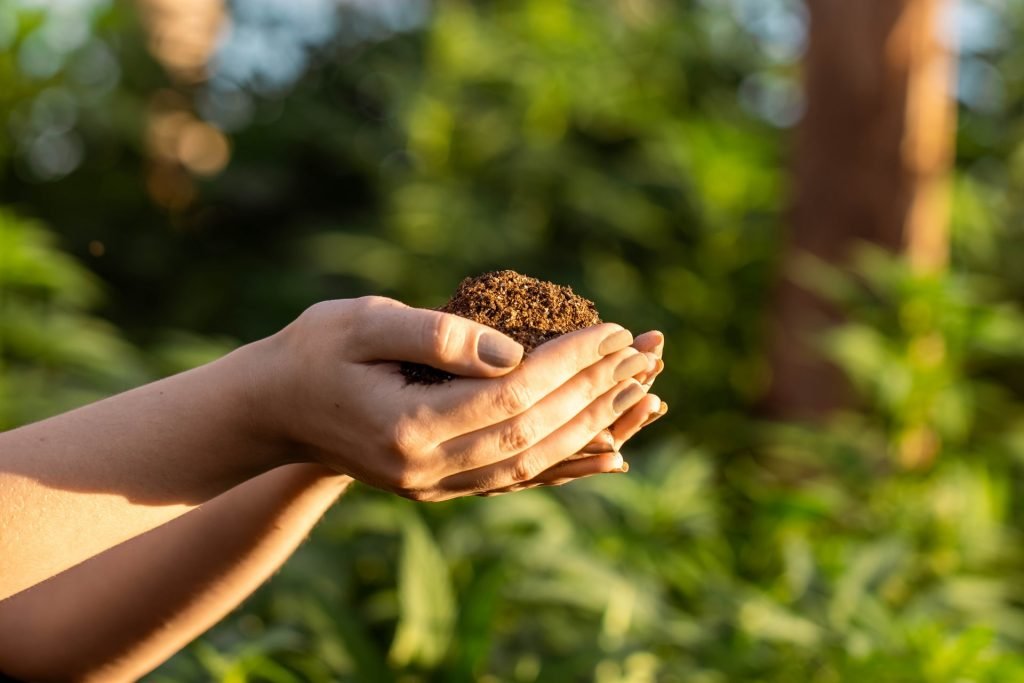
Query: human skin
{"x": 143, "y": 469}
{"x": 118, "y": 615}
{"x": 160, "y": 590}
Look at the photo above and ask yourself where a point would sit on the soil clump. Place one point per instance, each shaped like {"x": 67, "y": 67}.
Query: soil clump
{"x": 530, "y": 311}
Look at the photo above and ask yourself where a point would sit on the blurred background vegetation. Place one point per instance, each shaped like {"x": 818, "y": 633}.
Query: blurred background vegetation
{"x": 178, "y": 178}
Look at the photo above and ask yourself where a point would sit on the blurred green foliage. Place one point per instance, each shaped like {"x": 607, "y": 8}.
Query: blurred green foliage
{"x": 636, "y": 150}
{"x": 53, "y": 354}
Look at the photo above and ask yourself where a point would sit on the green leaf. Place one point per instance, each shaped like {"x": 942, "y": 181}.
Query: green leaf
{"x": 427, "y": 616}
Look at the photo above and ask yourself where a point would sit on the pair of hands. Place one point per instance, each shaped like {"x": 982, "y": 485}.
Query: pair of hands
{"x": 506, "y": 424}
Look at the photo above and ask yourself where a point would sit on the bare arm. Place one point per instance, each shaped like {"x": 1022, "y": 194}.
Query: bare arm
{"x": 79, "y": 483}
{"x": 125, "y": 610}
{"x": 118, "y": 615}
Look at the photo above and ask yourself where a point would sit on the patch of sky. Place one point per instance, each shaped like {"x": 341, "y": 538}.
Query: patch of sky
{"x": 779, "y": 26}
{"x": 266, "y": 46}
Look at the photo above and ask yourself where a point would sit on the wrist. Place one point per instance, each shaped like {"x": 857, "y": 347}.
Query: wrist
{"x": 252, "y": 371}
{"x": 312, "y": 475}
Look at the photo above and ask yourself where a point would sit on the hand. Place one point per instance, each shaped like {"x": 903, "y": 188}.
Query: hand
{"x": 590, "y": 460}
{"x": 652, "y": 407}
{"x": 642, "y": 414}
{"x": 328, "y": 388}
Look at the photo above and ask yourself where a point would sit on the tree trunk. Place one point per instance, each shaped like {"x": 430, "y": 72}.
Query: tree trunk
{"x": 873, "y": 153}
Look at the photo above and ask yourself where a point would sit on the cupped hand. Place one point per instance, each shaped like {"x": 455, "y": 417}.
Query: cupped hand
{"x": 334, "y": 392}
{"x": 602, "y": 454}
{"x": 610, "y": 440}
{"x": 652, "y": 344}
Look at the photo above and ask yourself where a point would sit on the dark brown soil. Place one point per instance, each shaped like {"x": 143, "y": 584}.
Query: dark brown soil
{"x": 528, "y": 310}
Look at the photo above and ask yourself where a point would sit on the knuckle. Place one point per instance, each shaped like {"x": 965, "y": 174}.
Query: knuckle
{"x": 593, "y": 384}
{"x": 371, "y": 302}
{"x": 516, "y": 437}
{"x": 492, "y": 481}
{"x": 314, "y": 310}
{"x": 418, "y": 495}
{"x": 512, "y": 398}
{"x": 407, "y": 483}
{"x": 404, "y": 438}
{"x": 359, "y": 314}
{"x": 599, "y": 423}
{"x": 320, "y": 313}
{"x": 593, "y": 423}
{"x": 413, "y": 485}
{"x": 366, "y": 306}
{"x": 526, "y": 467}
{"x": 438, "y": 335}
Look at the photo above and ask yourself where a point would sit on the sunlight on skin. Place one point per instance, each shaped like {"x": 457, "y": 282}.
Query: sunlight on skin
{"x": 646, "y": 411}
{"x": 80, "y": 491}
{"x": 235, "y": 542}
{"x": 266, "y": 405}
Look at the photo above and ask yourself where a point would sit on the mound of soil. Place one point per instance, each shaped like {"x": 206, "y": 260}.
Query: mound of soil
{"x": 530, "y": 311}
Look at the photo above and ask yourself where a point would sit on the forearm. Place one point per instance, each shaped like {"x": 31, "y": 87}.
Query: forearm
{"x": 79, "y": 483}
{"x": 121, "y": 613}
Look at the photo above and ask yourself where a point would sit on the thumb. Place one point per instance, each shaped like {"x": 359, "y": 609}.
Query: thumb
{"x": 390, "y": 330}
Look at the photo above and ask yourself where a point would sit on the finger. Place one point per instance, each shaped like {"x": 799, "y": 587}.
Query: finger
{"x": 517, "y": 434}
{"x": 653, "y": 344}
{"x": 650, "y": 342}
{"x": 471, "y": 404}
{"x": 642, "y": 414}
{"x": 569, "y": 471}
{"x": 610, "y": 440}
{"x": 567, "y": 439}
{"x": 648, "y": 381}
{"x": 662, "y": 411}
{"x": 629, "y": 423}
{"x": 604, "y": 442}
{"x": 390, "y": 330}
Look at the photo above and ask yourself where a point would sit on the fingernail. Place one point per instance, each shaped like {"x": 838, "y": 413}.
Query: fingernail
{"x": 602, "y": 443}
{"x": 658, "y": 367}
{"x": 616, "y": 341}
{"x": 628, "y": 397}
{"x": 498, "y": 351}
{"x": 656, "y": 414}
{"x": 617, "y": 462}
{"x": 624, "y": 468}
{"x": 652, "y": 362}
{"x": 630, "y": 366}
{"x": 659, "y": 348}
